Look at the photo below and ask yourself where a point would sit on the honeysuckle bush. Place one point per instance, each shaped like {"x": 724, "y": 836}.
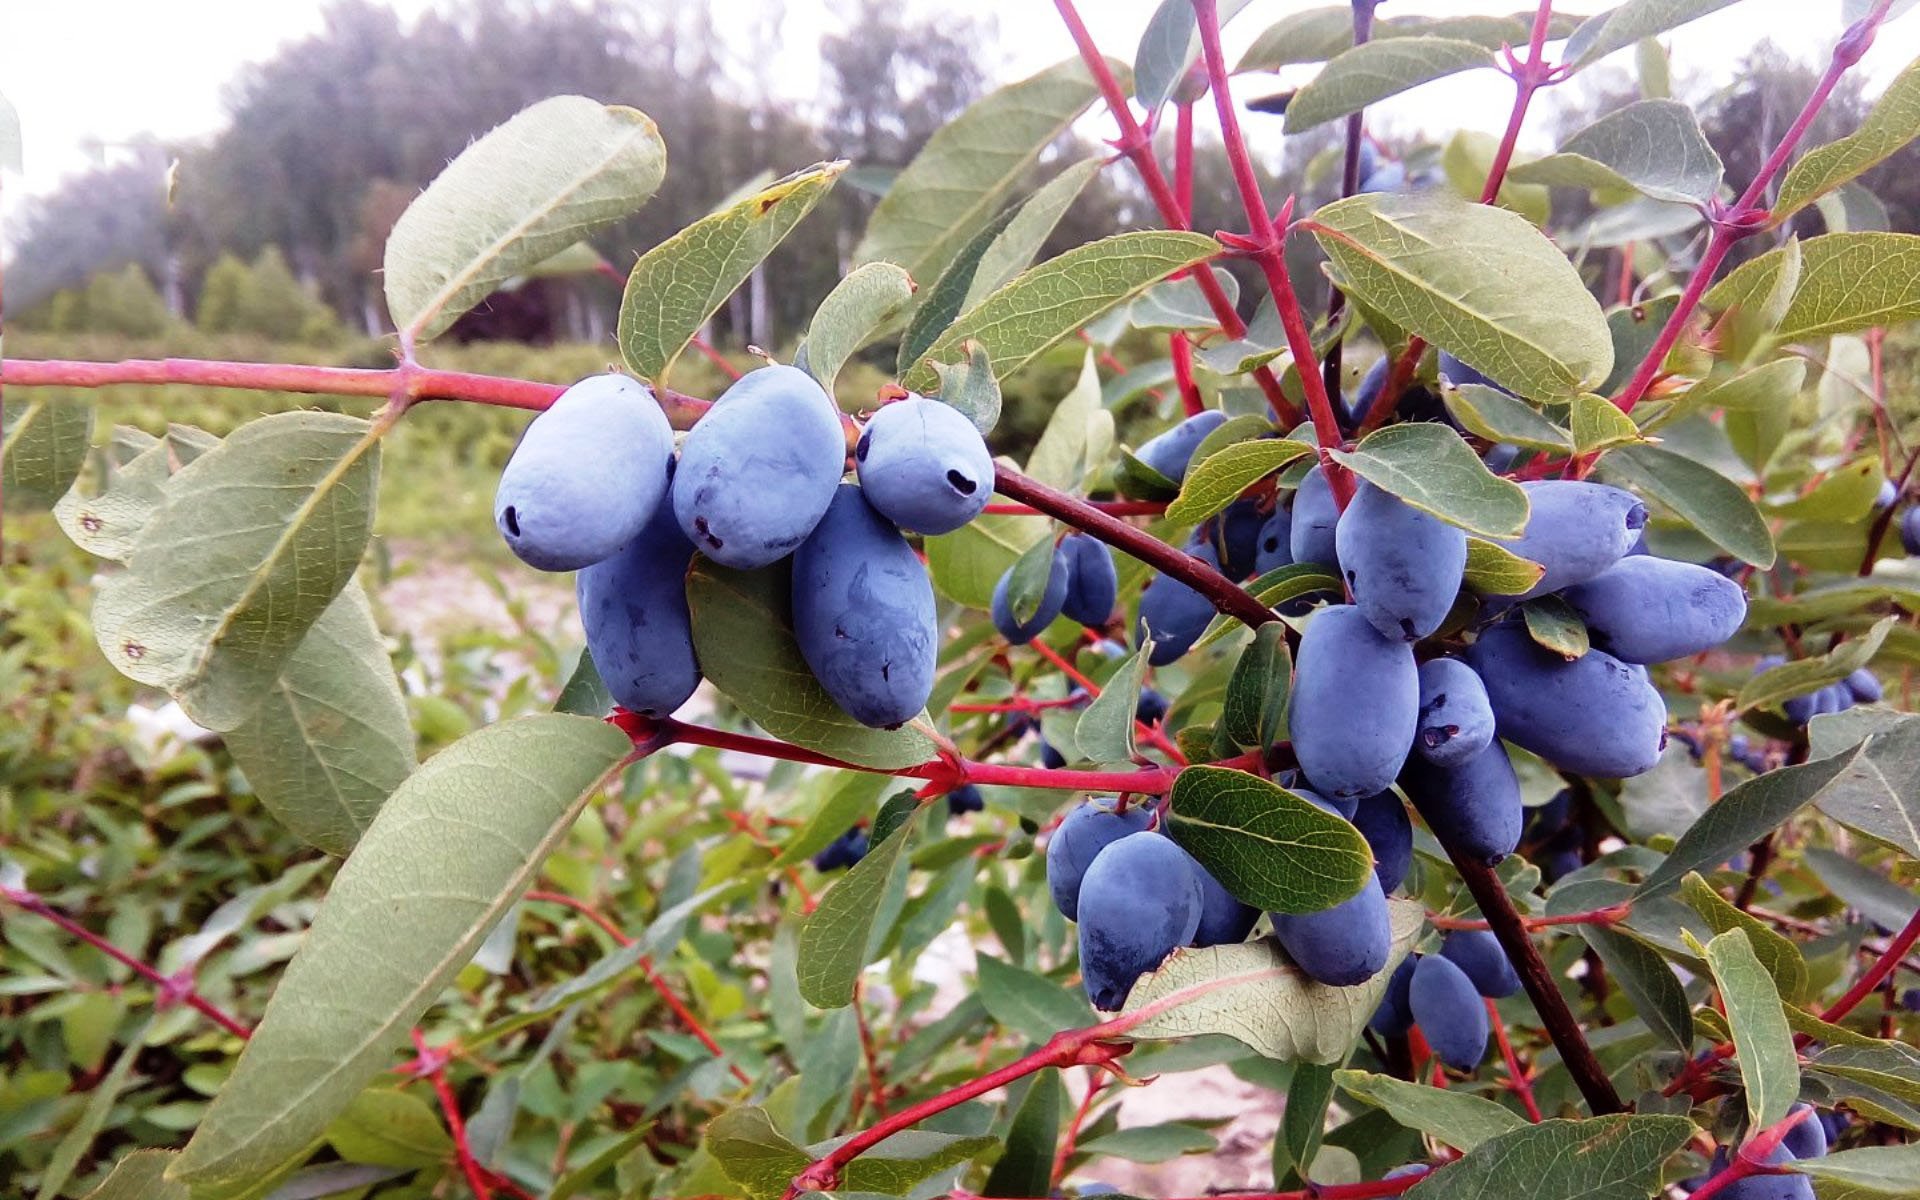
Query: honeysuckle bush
{"x": 581, "y": 951}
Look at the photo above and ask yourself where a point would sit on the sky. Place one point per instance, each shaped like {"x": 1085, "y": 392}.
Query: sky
{"x": 84, "y": 74}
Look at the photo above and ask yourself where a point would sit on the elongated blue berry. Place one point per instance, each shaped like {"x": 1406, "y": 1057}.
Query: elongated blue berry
{"x": 639, "y": 631}
{"x": 1355, "y": 704}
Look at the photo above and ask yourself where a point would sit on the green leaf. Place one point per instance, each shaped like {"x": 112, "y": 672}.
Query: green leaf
{"x": 1622, "y": 26}
{"x": 1369, "y": 73}
{"x": 970, "y": 387}
{"x": 390, "y": 1129}
{"x": 1494, "y": 570}
{"x": 1152, "y": 1143}
{"x": 1318, "y": 34}
{"x": 1180, "y": 304}
{"x": 1468, "y": 159}
{"x": 1879, "y": 792}
{"x": 1269, "y": 847}
{"x": 1050, "y": 301}
{"x": 743, "y": 634}
{"x": 1303, "y": 1117}
{"x": 1499, "y": 417}
{"x": 1848, "y": 282}
{"x": 1654, "y": 147}
{"x": 332, "y": 739}
{"x": 1804, "y": 675}
{"x": 755, "y": 1155}
{"x": 1430, "y": 467}
{"x": 1598, "y": 425}
{"x": 1648, "y": 982}
{"x": 1554, "y": 624}
{"x": 1890, "y": 1069}
{"x": 1741, "y": 817}
{"x": 1480, "y": 282}
{"x": 1779, "y": 956}
{"x": 1104, "y": 731}
{"x": 1030, "y": 1005}
{"x": 43, "y": 445}
{"x": 852, "y": 313}
{"x": 1252, "y": 993}
{"x": 1868, "y": 1171}
{"x": 1858, "y": 886}
{"x": 1168, "y": 50}
{"x": 1217, "y": 480}
{"x": 1459, "y": 1119}
{"x": 851, "y": 795}
{"x": 678, "y": 284}
{"x": 584, "y": 694}
{"x": 551, "y": 175}
{"x": 967, "y": 563}
{"x": 491, "y": 806}
{"x": 1002, "y": 249}
{"x": 1603, "y": 1158}
{"x": 1078, "y": 436}
{"x": 255, "y": 540}
{"x": 1707, "y": 500}
{"x": 1275, "y": 588}
{"x": 141, "y": 1175}
{"x": 1026, "y": 1168}
{"x": 1255, "y": 707}
{"x": 969, "y": 166}
{"x": 101, "y": 1098}
{"x": 1763, "y": 1045}
{"x": 1893, "y": 121}
{"x": 835, "y": 941}
{"x": 1027, "y": 584}
{"x": 107, "y": 524}
{"x": 899, "y": 1164}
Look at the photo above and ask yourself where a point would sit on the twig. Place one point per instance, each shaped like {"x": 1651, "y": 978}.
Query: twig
{"x": 1517, "y": 1076}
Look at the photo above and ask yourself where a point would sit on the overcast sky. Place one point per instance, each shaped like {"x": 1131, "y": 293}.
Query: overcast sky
{"x": 86, "y": 72}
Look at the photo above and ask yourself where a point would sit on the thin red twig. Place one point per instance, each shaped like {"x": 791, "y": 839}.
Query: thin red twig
{"x": 1517, "y": 1077}
{"x": 715, "y": 357}
{"x": 450, "y": 1109}
{"x": 1611, "y": 915}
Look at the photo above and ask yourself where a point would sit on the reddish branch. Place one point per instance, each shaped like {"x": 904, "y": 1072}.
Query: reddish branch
{"x": 433, "y": 1067}
{"x": 1113, "y": 508}
{"x": 1517, "y": 1077}
{"x": 1611, "y": 915}
{"x": 1137, "y": 145}
{"x": 1748, "y": 215}
{"x": 645, "y": 966}
{"x": 1153, "y": 735}
{"x": 170, "y": 989}
{"x": 1751, "y": 1158}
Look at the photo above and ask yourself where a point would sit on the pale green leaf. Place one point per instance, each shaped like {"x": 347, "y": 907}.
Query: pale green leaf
{"x": 107, "y": 523}
{"x": 1216, "y": 481}
{"x": 970, "y": 387}
{"x": 1430, "y": 467}
{"x": 1459, "y": 1119}
{"x": 838, "y": 936}
{"x": 141, "y": 1175}
{"x": 1553, "y": 623}
{"x": 1623, "y": 25}
{"x": 1893, "y": 121}
{"x": 391, "y": 1129}
{"x": 1847, "y": 282}
{"x": 1045, "y": 304}
{"x": 43, "y": 445}
{"x": 1477, "y": 281}
{"x": 1500, "y": 417}
{"x": 852, "y": 313}
{"x": 1252, "y": 993}
{"x": 1025, "y": 1167}
{"x": 1598, "y": 425}
{"x": 1104, "y": 732}
{"x": 1152, "y": 1143}
{"x": 1654, "y": 147}
{"x": 1169, "y": 48}
{"x": 1777, "y": 684}
{"x": 852, "y": 795}
{"x": 967, "y": 563}
{"x": 101, "y": 1098}
{"x": 1078, "y": 435}
{"x": 332, "y": 739}
{"x": 1318, "y": 34}
{"x": 552, "y": 174}
{"x": 969, "y": 166}
{"x": 1879, "y": 792}
{"x": 492, "y": 806}
{"x": 1494, "y": 570}
{"x": 1707, "y": 500}
{"x": 1868, "y": 1171}
{"x": 1370, "y": 73}
{"x": 743, "y": 634}
{"x": 1030, "y": 1005}
{"x": 1269, "y": 847}
{"x": 1602, "y": 1158}
{"x": 679, "y": 283}
{"x": 1776, "y": 953}
{"x": 1763, "y": 1045}
{"x": 255, "y": 540}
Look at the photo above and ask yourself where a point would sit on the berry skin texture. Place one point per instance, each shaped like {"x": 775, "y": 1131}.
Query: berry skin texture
{"x": 759, "y": 469}
{"x": 1275, "y": 545}
{"x": 1172, "y": 613}
{"x": 1355, "y": 704}
{"x": 1150, "y": 708}
{"x": 1402, "y": 565}
{"x": 1652, "y": 610}
{"x": 1765, "y": 1187}
{"x": 1315, "y": 514}
{"x": 1910, "y": 531}
{"x": 1382, "y": 819}
{"x": 1593, "y": 716}
{"x": 1140, "y": 901}
{"x": 1459, "y": 374}
{"x": 1576, "y": 530}
{"x": 924, "y": 466}
{"x": 1170, "y": 452}
{"x": 965, "y": 799}
{"x": 1224, "y": 920}
{"x": 1448, "y": 1010}
{"x": 1393, "y": 1018}
{"x": 1808, "y": 1139}
{"x": 587, "y": 475}
{"x": 1093, "y": 586}
{"x": 1078, "y": 839}
{"x": 1052, "y": 600}
{"x": 1474, "y": 807}
{"x": 1478, "y": 953}
{"x": 1344, "y": 945}
{"x": 863, "y": 614}
{"x": 1456, "y": 721}
{"x": 1865, "y": 687}
{"x": 639, "y": 632}
{"x": 1235, "y": 536}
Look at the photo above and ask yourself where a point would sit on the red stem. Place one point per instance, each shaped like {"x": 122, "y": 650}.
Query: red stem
{"x": 1149, "y": 733}
{"x": 1266, "y": 249}
{"x": 1751, "y": 1159}
{"x": 1612, "y": 915}
{"x": 1882, "y": 967}
{"x": 1072, "y": 1137}
{"x": 170, "y": 989}
{"x": 876, "y": 1082}
{"x": 450, "y": 1108}
{"x": 645, "y": 965}
{"x": 1138, "y": 147}
{"x": 716, "y": 358}
{"x": 1517, "y": 1076}
{"x": 1113, "y": 508}
{"x": 1745, "y": 216}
